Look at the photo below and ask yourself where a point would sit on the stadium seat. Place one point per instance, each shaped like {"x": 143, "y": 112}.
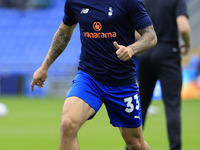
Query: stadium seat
{"x": 26, "y": 36}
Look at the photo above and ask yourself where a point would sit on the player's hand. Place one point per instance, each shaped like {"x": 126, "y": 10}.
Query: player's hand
{"x": 123, "y": 53}
{"x": 39, "y": 77}
{"x": 184, "y": 49}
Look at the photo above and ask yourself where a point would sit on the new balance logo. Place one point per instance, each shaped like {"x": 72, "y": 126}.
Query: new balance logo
{"x": 84, "y": 10}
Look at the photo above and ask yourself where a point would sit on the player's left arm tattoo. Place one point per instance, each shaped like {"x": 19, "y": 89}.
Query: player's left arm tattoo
{"x": 147, "y": 40}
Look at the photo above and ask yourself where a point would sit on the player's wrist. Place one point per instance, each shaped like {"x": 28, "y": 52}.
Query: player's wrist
{"x": 45, "y": 66}
{"x": 186, "y": 46}
{"x": 132, "y": 49}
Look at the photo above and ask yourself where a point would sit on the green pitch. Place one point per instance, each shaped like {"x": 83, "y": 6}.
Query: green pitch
{"x": 34, "y": 124}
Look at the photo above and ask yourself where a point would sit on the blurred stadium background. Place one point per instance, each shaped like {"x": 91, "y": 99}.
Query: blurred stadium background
{"x": 26, "y": 31}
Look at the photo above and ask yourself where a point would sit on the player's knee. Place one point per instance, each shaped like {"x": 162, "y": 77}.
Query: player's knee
{"x": 136, "y": 145}
{"x": 68, "y": 127}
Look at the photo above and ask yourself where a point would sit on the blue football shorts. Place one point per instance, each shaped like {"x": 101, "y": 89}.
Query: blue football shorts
{"x": 122, "y": 102}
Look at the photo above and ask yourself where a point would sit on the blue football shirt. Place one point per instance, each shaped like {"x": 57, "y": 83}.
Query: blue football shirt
{"x": 101, "y": 23}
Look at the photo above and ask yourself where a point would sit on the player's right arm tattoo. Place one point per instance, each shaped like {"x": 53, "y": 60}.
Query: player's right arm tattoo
{"x": 147, "y": 40}
{"x": 59, "y": 43}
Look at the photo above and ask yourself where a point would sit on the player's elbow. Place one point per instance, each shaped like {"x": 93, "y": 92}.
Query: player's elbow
{"x": 154, "y": 39}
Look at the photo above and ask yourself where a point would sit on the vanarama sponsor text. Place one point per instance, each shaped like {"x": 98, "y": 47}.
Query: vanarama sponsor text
{"x": 100, "y": 34}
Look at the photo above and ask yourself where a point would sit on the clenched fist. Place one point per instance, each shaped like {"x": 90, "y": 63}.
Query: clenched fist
{"x": 123, "y": 53}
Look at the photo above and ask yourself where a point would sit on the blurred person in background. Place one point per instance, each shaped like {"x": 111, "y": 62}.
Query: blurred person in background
{"x": 14, "y": 3}
{"x": 197, "y": 75}
{"x": 163, "y": 62}
{"x": 106, "y": 72}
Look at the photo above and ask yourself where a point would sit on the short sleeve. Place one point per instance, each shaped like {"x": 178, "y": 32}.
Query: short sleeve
{"x": 181, "y": 8}
{"x": 69, "y": 18}
{"x": 138, "y": 15}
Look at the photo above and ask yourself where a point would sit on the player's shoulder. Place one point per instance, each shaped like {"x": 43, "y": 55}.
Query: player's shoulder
{"x": 68, "y": 1}
{"x": 133, "y": 2}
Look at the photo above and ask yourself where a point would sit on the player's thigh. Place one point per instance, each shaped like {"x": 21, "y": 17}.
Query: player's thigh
{"x": 76, "y": 110}
{"x": 132, "y": 135}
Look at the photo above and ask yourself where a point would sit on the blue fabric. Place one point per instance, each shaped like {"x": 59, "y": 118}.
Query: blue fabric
{"x": 102, "y": 23}
{"x": 122, "y": 102}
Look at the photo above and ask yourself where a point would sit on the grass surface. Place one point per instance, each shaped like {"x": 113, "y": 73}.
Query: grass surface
{"x": 34, "y": 124}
